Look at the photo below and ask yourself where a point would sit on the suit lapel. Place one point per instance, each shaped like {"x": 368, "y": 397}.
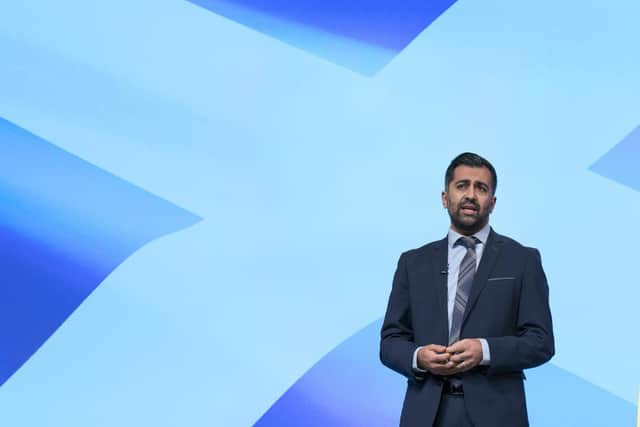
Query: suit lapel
{"x": 439, "y": 267}
{"x": 488, "y": 260}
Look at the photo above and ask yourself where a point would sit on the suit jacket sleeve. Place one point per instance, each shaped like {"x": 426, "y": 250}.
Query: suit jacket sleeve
{"x": 532, "y": 344}
{"x": 397, "y": 339}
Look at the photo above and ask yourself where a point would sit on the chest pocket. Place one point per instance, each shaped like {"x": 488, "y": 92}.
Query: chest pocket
{"x": 501, "y": 281}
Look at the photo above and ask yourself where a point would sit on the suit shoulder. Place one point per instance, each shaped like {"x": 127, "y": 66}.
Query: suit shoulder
{"x": 423, "y": 250}
{"x": 516, "y": 246}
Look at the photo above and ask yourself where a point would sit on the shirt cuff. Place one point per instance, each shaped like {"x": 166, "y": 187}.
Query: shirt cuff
{"x": 414, "y": 362}
{"x": 486, "y": 354}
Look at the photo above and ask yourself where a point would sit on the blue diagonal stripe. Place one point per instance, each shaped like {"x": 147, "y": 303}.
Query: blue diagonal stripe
{"x": 621, "y": 162}
{"x": 363, "y": 35}
{"x": 64, "y": 226}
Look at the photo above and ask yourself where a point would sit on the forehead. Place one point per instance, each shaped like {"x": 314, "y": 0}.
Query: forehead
{"x": 470, "y": 173}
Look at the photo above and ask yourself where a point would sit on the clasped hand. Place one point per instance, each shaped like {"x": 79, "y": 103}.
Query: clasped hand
{"x": 458, "y": 357}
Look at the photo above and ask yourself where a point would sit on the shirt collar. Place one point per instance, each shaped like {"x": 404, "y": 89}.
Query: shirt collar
{"x": 482, "y": 235}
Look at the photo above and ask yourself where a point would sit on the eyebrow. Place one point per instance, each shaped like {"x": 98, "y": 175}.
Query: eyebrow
{"x": 467, "y": 181}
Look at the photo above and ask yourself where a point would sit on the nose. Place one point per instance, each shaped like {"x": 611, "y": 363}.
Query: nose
{"x": 471, "y": 193}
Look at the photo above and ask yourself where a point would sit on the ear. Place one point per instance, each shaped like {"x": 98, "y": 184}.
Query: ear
{"x": 445, "y": 200}
{"x": 493, "y": 204}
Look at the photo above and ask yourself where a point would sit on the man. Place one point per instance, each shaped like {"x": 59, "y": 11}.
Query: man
{"x": 467, "y": 314}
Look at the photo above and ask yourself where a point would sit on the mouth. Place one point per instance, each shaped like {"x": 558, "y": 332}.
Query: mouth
{"x": 468, "y": 209}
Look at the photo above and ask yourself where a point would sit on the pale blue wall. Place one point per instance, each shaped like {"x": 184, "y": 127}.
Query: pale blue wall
{"x": 312, "y": 167}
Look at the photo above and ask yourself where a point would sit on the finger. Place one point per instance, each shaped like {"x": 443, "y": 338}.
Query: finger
{"x": 456, "y": 348}
{"x": 459, "y": 346}
{"x": 460, "y": 357}
{"x": 461, "y": 367}
{"x": 470, "y": 364}
{"x": 446, "y": 364}
{"x": 430, "y": 356}
{"x": 436, "y": 348}
{"x": 455, "y": 369}
{"x": 440, "y": 357}
{"x": 448, "y": 369}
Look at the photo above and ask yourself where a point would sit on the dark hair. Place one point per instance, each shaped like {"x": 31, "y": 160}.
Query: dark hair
{"x": 473, "y": 160}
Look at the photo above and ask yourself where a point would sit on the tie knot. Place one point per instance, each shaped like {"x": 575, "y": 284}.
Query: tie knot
{"x": 468, "y": 242}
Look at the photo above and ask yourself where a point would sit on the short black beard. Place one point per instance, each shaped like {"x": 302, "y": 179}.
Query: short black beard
{"x": 467, "y": 229}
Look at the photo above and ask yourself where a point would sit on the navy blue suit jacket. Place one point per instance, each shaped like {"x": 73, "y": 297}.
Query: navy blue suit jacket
{"x": 508, "y": 305}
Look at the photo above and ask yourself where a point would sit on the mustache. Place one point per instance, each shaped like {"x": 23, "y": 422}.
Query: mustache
{"x": 468, "y": 202}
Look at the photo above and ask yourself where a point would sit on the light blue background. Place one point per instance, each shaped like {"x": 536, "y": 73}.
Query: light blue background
{"x": 311, "y": 179}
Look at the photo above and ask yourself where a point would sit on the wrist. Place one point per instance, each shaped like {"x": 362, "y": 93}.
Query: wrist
{"x": 416, "y": 365}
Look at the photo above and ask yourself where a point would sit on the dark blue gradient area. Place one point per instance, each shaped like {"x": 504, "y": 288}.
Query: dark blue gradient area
{"x": 350, "y": 387}
{"x": 64, "y": 226}
{"x": 621, "y": 162}
{"x": 363, "y": 35}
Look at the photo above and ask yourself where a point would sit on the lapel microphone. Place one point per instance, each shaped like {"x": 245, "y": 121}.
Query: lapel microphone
{"x": 445, "y": 270}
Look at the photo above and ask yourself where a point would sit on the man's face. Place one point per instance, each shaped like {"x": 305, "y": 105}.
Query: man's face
{"x": 469, "y": 199}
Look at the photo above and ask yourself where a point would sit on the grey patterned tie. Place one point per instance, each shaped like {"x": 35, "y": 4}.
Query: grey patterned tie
{"x": 465, "y": 278}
